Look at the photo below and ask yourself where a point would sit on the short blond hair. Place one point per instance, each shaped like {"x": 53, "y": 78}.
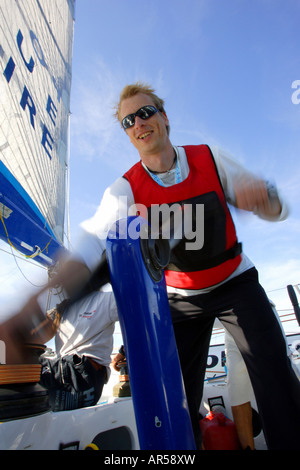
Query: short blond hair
{"x": 139, "y": 87}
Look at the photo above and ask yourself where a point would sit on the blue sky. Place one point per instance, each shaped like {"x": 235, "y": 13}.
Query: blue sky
{"x": 225, "y": 70}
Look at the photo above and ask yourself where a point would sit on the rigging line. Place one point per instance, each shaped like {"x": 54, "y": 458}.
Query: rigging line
{"x": 279, "y": 288}
{"x": 53, "y": 294}
{"x": 28, "y": 280}
{"x": 290, "y": 319}
{"x": 286, "y": 310}
{"x": 30, "y": 261}
{"x": 37, "y": 252}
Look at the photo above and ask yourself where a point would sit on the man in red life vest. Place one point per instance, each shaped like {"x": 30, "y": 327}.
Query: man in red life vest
{"x": 216, "y": 279}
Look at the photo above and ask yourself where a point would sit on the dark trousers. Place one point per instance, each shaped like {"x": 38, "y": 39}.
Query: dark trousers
{"x": 244, "y": 310}
{"x": 72, "y": 382}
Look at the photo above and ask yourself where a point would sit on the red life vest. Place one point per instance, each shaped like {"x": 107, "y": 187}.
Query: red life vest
{"x": 220, "y": 254}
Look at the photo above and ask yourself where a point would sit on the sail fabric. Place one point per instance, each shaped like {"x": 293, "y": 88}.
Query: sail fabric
{"x": 36, "y": 41}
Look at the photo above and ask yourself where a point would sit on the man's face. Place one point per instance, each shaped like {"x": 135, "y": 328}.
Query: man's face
{"x": 148, "y": 136}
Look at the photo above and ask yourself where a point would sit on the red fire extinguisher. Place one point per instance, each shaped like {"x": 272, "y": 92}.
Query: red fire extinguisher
{"x": 218, "y": 432}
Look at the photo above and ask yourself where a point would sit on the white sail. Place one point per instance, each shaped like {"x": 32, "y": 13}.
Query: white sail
{"x": 36, "y": 40}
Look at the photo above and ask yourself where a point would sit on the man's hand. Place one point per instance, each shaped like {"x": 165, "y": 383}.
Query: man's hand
{"x": 252, "y": 195}
{"x": 20, "y": 329}
{"x": 118, "y": 359}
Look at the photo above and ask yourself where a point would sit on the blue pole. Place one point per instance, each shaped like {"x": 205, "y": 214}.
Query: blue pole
{"x": 161, "y": 410}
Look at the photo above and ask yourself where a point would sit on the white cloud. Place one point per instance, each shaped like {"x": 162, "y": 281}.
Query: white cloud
{"x": 92, "y": 108}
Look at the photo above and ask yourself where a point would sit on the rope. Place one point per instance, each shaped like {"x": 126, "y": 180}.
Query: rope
{"x": 37, "y": 251}
{"x": 19, "y": 373}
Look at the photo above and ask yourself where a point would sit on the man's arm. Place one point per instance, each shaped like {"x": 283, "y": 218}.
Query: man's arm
{"x": 30, "y": 325}
{"x": 50, "y": 324}
{"x": 247, "y": 191}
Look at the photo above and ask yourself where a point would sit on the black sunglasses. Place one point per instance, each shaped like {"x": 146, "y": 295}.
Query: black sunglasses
{"x": 144, "y": 113}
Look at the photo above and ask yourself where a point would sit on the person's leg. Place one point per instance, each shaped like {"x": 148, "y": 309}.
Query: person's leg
{"x": 240, "y": 392}
{"x": 248, "y": 316}
{"x": 51, "y": 379}
{"x": 242, "y": 416}
{"x": 192, "y": 338}
{"x": 87, "y": 380}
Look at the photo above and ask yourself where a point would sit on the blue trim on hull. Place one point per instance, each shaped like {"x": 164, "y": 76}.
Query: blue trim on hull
{"x": 25, "y": 225}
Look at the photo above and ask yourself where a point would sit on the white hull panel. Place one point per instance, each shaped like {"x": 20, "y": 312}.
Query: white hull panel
{"x": 68, "y": 429}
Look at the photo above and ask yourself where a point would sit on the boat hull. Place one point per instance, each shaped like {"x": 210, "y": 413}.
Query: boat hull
{"x": 110, "y": 425}
{"x": 107, "y": 426}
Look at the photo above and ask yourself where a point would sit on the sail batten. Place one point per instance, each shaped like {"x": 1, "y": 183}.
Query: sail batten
{"x": 36, "y": 41}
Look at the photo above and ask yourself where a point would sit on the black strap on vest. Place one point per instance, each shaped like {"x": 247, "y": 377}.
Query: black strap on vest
{"x": 231, "y": 253}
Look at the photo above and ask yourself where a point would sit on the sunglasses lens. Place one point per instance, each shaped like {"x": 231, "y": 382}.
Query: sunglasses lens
{"x": 128, "y": 121}
{"x": 144, "y": 113}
